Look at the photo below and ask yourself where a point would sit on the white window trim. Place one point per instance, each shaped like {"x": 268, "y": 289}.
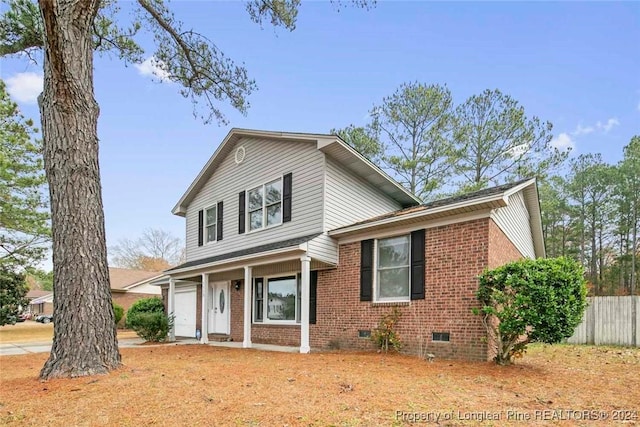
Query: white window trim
{"x": 264, "y": 206}
{"x": 376, "y": 299}
{"x": 265, "y": 300}
{"x": 204, "y": 224}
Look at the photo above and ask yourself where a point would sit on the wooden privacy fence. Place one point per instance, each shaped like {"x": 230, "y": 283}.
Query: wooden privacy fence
{"x": 610, "y": 321}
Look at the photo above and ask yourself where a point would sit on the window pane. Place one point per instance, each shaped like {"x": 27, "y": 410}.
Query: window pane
{"x": 393, "y": 283}
{"x": 255, "y": 220}
{"x": 281, "y": 304}
{"x": 274, "y": 214}
{"x": 273, "y": 192}
{"x": 255, "y": 198}
{"x": 393, "y": 252}
{"x": 211, "y": 233}
{"x": 211, "y": 216}
{"x": 258, "y": 303}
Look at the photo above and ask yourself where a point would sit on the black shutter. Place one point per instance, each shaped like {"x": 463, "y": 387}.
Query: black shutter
{"x": 219, "y": 222}
{"x": 286, "y": 197}
{"x": 241, "y": 212}
{"x": 200, "y": 227}
{"x": 366, "y": 269}
{"x": 417, "y": 264}
{"x": 313, "y": 292}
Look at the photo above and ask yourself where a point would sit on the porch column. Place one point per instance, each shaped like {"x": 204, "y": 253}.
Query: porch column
{"x": 246, "y": 336}
{"x": 171, "y": 306}
{"x": 305, "y": 269}
{"x": 204, "y": 324}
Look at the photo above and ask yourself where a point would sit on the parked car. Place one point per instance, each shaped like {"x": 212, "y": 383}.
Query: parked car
{"x": 45, "y": 318}
{"x": 22, "y": 317}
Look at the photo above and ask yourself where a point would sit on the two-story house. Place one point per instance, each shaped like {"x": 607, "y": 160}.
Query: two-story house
{"x": 298, "y": 240}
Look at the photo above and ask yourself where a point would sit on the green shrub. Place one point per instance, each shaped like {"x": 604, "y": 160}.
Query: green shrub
{"x": 144, "y": 305}
{"x": 118, "y": 312}
{"x": 526, "y": 301}
{"x": 385, "y": 336}
{"x": 152, "y": 326}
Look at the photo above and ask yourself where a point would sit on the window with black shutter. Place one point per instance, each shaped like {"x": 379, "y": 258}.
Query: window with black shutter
{"x": 366, "y": 269}
{"x": 200, "y": 227}
{"x": 241, "y": 208}
{"x": 219, "y": 222}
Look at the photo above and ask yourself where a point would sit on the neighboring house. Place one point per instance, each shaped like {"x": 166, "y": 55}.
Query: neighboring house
{"x": 297, "y": 239}
{"x": 40, "y": 302}
{"x": 128, "y": 286}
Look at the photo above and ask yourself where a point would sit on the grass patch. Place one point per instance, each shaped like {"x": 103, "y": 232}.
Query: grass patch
{"x": 203, "y": 385}
{"x": 32, "y": 331}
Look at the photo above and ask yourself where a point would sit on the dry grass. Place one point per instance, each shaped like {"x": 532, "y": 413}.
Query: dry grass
{"x": 202, "y": 385}
{"x": 32, "y": 331}
{"x": 29, "y": 331}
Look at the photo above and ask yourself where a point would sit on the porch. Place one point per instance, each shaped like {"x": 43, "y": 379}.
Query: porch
{"x": 261, "y": 302}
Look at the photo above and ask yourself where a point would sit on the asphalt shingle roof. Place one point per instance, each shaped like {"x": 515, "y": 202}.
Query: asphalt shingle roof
{"x": 249, "y": 251}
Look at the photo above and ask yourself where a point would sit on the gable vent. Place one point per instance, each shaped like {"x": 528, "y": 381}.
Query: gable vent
{"x": 240, "y": 153}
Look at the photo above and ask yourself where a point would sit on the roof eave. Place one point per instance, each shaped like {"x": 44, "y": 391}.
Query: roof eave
{"x": 495, "y": 201}
{"x": 401, "y": 194}
{"x": 180, "y": 208}
{"x": 299, "y": 248}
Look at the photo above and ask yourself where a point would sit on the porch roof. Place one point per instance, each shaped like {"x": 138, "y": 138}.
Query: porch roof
{"x": 232, "y": 256}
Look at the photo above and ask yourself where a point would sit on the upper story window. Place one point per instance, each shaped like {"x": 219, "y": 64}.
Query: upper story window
{"x": 393, "y": 269}
{"x": 264, "y": 205}
{"x": 210, "y": 222}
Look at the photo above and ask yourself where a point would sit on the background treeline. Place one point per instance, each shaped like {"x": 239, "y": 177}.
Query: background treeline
{"x": 435, "y": 148}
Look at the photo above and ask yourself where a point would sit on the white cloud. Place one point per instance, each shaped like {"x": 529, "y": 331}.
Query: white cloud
{"x": 153, "y": 68}
{"x": 606, "y": 127}
{"x": 582, "y": 130}
{"x": 563, "y": 141}
{"x": 25, "y": 87}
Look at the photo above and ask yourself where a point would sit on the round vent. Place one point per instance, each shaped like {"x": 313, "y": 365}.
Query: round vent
{"x": 240, "y": 153}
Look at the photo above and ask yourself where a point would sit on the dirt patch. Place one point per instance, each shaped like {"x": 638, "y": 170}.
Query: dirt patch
{"x": 203, "y": 385}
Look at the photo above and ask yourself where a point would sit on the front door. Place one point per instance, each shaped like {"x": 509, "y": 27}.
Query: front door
{"x": 219, "y": 308}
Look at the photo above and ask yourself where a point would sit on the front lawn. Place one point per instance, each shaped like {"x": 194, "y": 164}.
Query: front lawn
{"x": 202, "y": 385}
{"x": 32, "y": 331}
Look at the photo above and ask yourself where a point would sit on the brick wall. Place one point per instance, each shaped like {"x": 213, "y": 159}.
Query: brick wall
{"x": 237, "y": 313}
{"x": 455, "y": 255}
{"x": 501, "y": 249}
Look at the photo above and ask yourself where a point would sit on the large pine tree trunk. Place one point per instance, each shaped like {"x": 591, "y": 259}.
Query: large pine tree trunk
{"x": 84, "y": 341}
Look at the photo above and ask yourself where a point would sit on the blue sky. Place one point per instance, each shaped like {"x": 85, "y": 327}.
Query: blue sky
{"x": 575, "y": 64}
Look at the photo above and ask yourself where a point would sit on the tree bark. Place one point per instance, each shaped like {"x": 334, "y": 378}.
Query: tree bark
{"x": 84, "y": 341}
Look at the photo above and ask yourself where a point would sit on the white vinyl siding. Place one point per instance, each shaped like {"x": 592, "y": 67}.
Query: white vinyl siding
{"x": 514, "y": 222}
{"x": 324, "y": 248}
{"x": 265, "y": 159}
{"x": 349, "y": 199}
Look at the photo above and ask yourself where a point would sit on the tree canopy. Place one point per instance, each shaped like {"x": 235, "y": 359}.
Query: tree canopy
{"x": 13, "y": 289}
{"x": 154, "y": 250}
{"x": 24, "y": 227}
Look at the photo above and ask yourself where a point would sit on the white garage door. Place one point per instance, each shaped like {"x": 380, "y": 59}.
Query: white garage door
{"x": 185, "y": 321}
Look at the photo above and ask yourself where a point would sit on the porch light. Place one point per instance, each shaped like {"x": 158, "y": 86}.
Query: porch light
{"x": 236, "y": 285}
